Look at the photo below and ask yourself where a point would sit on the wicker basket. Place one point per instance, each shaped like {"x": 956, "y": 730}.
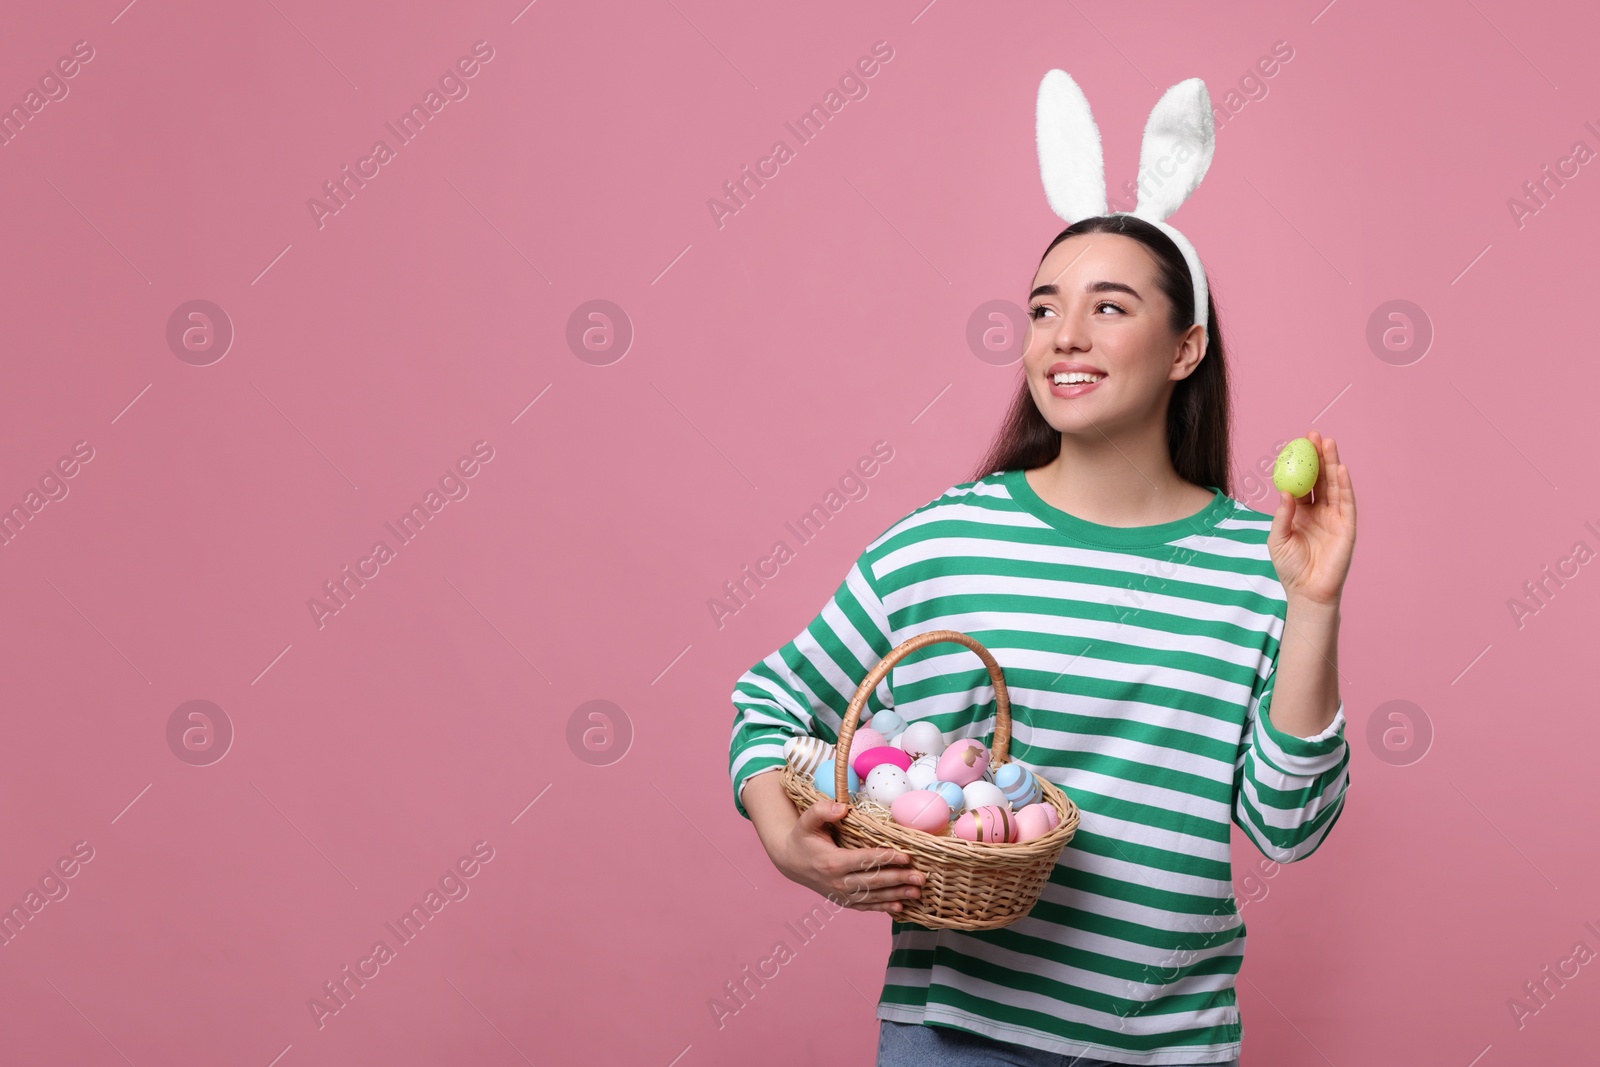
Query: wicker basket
{"x": 971, "y": 885}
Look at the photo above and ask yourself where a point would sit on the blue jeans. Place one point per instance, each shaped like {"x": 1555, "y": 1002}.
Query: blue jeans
{"x": 915, "y": 1045}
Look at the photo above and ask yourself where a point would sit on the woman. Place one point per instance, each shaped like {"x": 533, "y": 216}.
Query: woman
{"x": 1145, "y": 622}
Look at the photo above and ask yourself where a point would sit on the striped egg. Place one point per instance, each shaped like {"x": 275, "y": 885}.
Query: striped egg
{"x": 804, "y": 753}
{"x": 953, "y": 795}
{"x": 1020, "y": 786}
{"x": 991, "y": 823}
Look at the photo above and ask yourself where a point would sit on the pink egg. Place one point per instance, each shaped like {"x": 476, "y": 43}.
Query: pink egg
{"x": 872, "y": 757}
{"x": 964, "y": 762}
{"x": 921, "y": 809}
{"x": 865, "y": 738}
{"x": 1035, "y": 820}
{"x": 988, "y": 823}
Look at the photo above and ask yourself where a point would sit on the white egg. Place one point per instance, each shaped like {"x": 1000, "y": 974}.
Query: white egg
{"x": 884, "y": 783}
{"x": 923, "y": 773}
{"x": 981, "y": 793}
{"x": 922, "y": 738}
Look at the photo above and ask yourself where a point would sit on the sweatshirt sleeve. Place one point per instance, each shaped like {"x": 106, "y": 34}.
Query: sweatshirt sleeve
{"x": 1288, "y": 790}
{"x": 805, "y": 687}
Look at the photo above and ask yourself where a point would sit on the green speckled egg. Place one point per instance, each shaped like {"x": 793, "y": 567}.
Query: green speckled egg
{"x": 1295, "y": 471}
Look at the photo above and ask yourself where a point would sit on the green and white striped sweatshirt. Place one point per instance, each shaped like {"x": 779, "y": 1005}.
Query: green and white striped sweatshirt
{"x": 1140, "y": 664}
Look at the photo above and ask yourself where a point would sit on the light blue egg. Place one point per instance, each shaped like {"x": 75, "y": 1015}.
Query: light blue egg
{"x": 887, "y": 723}
{"x": 953, "y": 796}
{"x": 1018, "y": 784}
{"x": 823, "y": 778}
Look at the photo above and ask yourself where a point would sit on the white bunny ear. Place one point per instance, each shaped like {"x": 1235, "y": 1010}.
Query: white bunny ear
{"x": 1179, "y": 141}
{"x": 1070, "y": 161}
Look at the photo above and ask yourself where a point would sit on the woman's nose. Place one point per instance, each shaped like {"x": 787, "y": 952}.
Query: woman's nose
{"x": 1068, "y": 337}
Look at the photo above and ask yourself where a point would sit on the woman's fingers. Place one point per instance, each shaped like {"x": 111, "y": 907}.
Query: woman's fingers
{"x": 1341, "y": 491}
{"x": 1282, "y": 518}
{"x": 851, "y": 860}
{"x": 877, "y": 896}
{"x": 1319, "y": 487}
{"x": 1349, "y": 489}
{"x": 1330, "y": 472}
{"x": 891, "y": 907}
{"x": 861, "y": 859}
{"x": 881, "y": 899}
{"x": 885, "y": 879}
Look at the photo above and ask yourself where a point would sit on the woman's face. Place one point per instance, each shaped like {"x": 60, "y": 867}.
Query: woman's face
{"x": 1095, "y": 308}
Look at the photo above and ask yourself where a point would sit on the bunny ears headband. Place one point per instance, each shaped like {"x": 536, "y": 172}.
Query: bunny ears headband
{"x": 1179, "y": 140}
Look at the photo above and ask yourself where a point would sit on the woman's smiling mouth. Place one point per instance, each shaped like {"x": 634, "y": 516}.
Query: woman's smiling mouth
{"x": 1073, "y": 379}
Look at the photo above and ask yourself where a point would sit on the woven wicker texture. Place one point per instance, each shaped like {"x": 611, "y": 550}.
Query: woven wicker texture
{"x": 971, "y": 885}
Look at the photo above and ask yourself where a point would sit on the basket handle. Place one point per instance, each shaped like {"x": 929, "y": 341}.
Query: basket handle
{"x": 847, "y": 730}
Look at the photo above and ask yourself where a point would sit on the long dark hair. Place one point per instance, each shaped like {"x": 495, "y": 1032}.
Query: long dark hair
{"x": 1197, "y": 417}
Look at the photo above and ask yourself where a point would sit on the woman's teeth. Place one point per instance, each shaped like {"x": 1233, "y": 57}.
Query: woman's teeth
{"x": 1076, "y": 377}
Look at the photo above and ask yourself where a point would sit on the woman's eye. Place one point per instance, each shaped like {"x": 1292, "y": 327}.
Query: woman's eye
{"x": 1039, "y": 310}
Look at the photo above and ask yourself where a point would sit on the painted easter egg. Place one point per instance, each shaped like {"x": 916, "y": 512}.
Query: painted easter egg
{"x": 1295, "y": 470}
{"x": 923, "y": 772}
{"x": 964, "y": 762}
{"x": 869, "y": 758}
{"x": 887, "y": 723}
{"x": 953, "y": 795}
{"x": 921, "y": 809}
{"x": 992, "y": 823}
{"x": 1020, "y": 786}
{"x": 823, "y": 779}
{"x": 1036, "y": 820}
{"x": 982, "y": 794}
{"x": 885, "y": 783}
{"x": 865, "y": 738}
{"x": 922, "y": 739}
{"x": 804, "y": 753}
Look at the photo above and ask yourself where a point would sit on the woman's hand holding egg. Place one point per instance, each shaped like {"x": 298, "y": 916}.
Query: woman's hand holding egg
{"x": 1311, "y": 543}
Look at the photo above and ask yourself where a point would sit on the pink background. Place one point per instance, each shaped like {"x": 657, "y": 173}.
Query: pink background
{"x": 371, "y": 353}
